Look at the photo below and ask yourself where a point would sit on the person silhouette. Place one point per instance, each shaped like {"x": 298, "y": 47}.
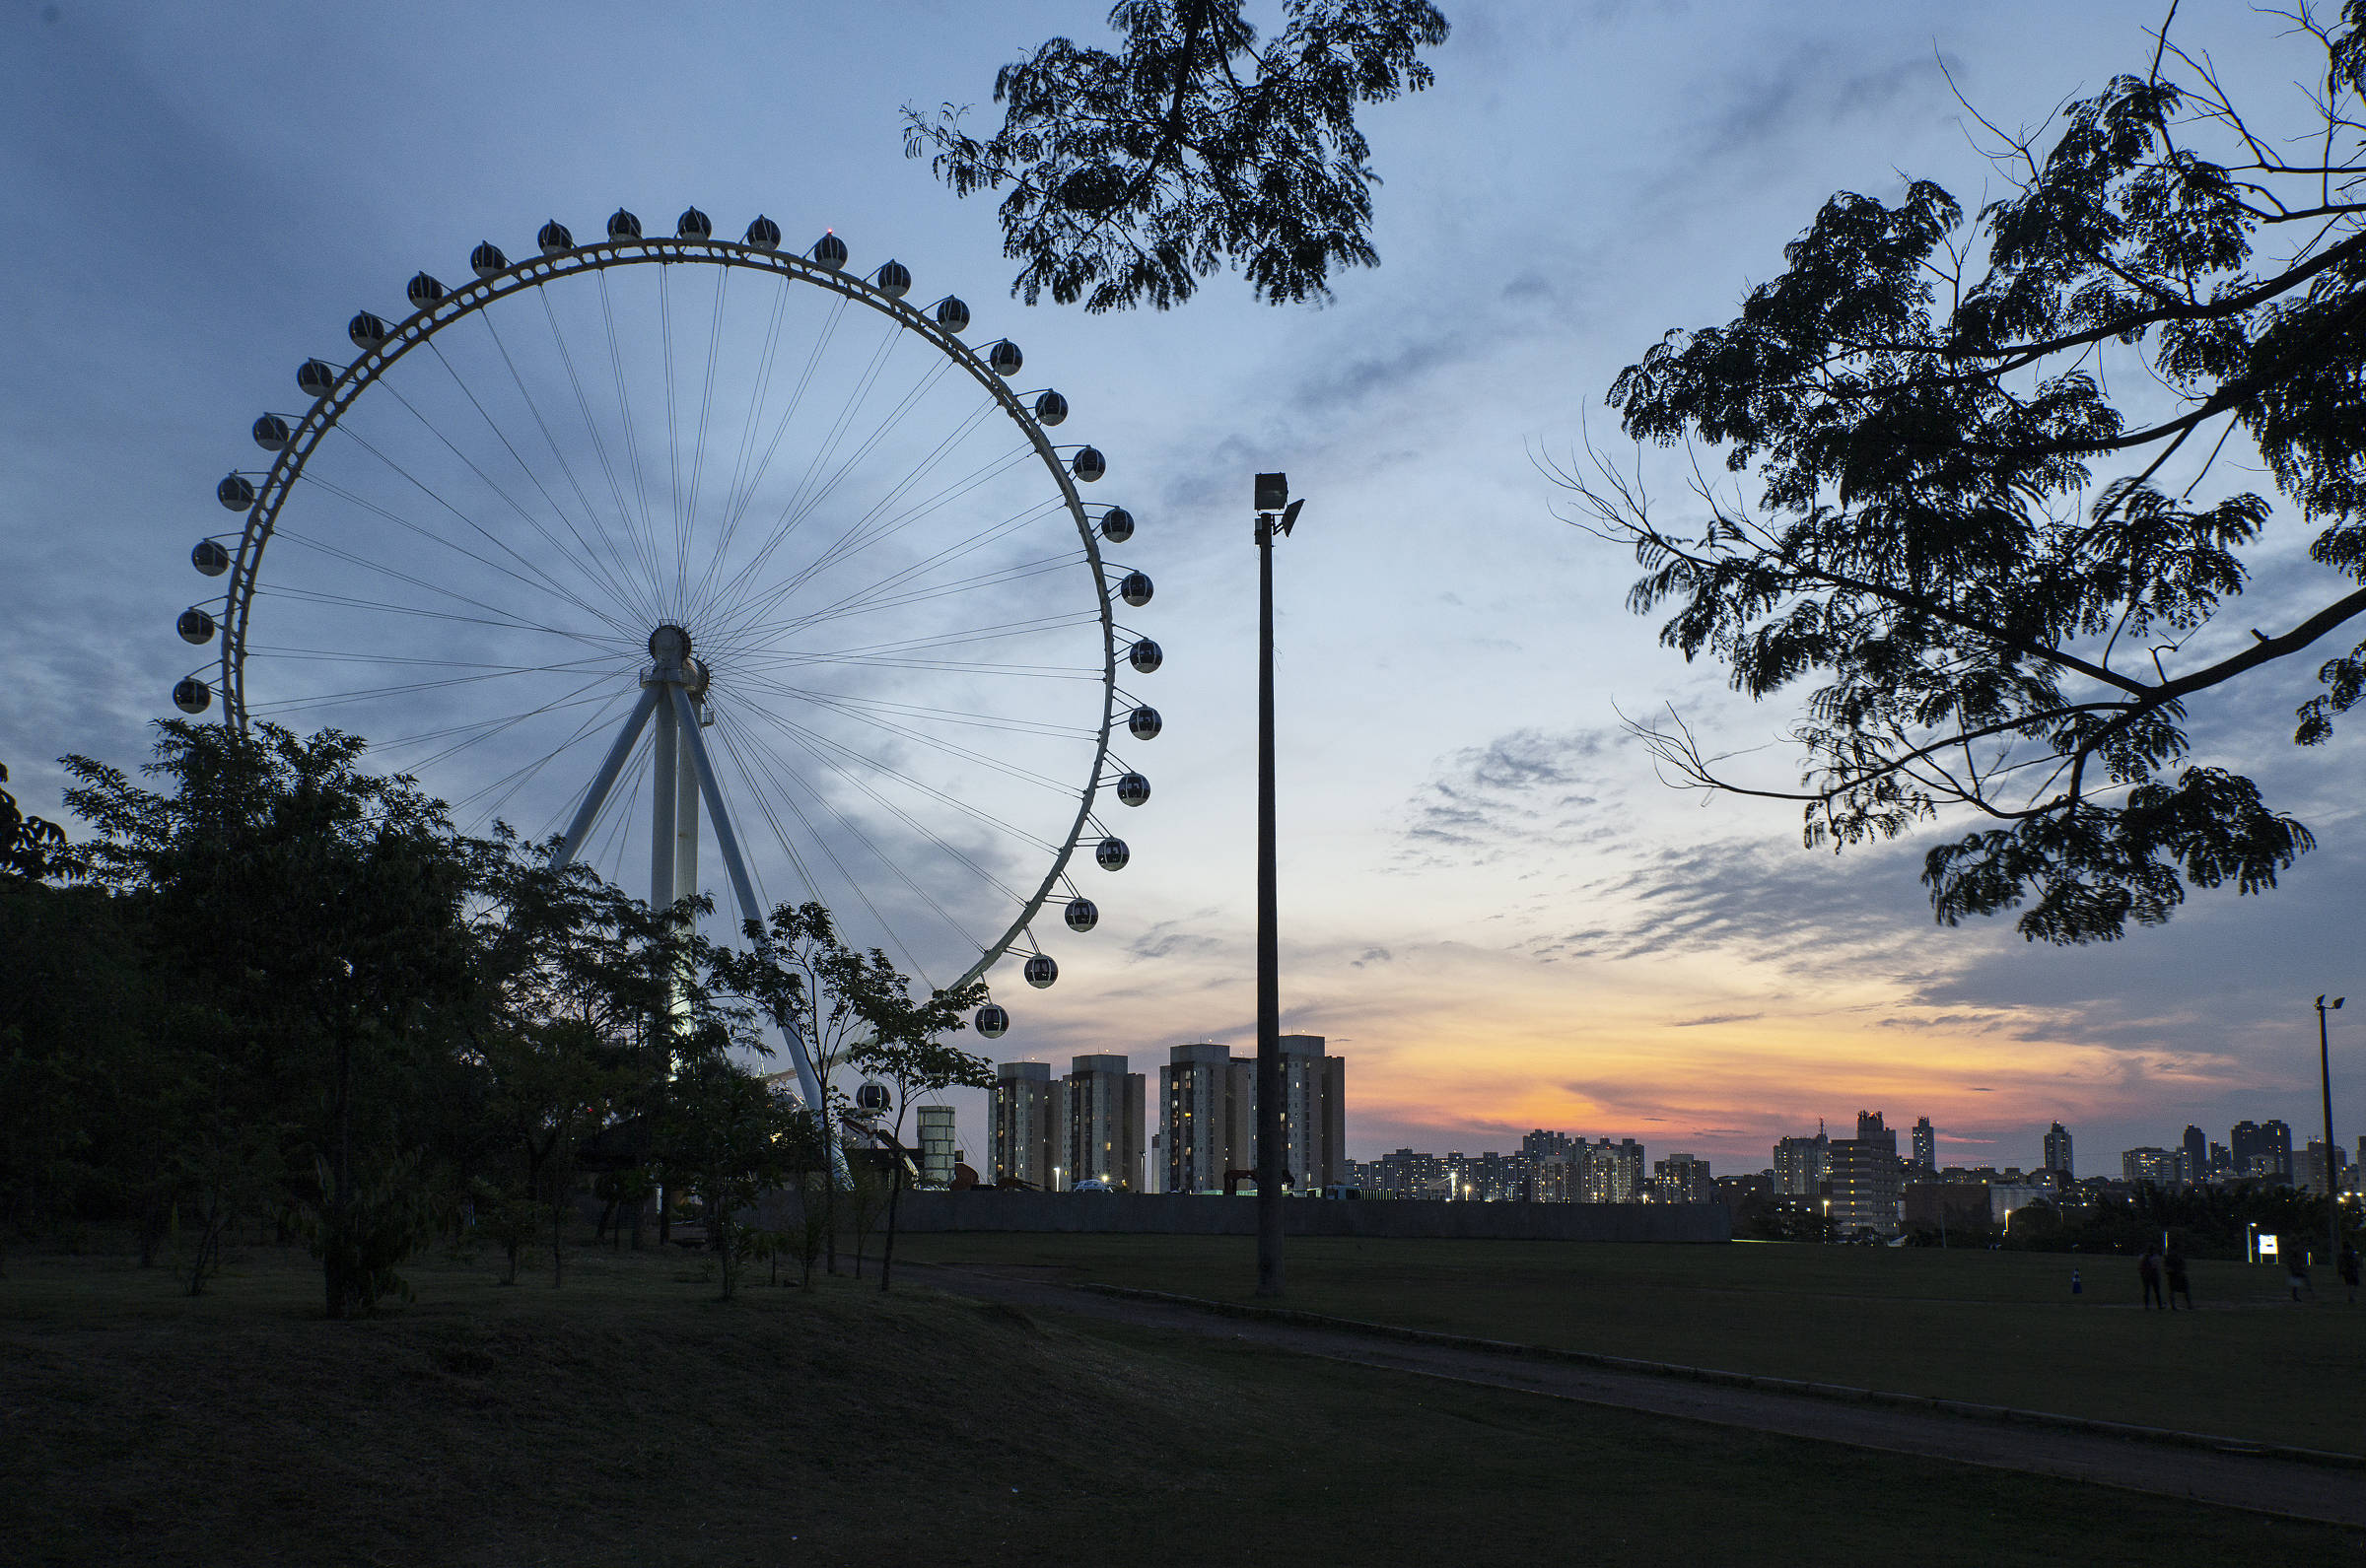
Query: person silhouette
{"x": 2148, "y": 1271}
{"x": 2173, "y": 1265}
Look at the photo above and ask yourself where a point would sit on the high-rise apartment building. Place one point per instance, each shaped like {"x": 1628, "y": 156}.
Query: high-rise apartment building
{"x": 1314, "y": 1113}
{"x": 2059, "y": 1153}
{"x": 2311, "y": 1171}
{"x": 1030, "y": 1124}
{"x": 1682, "y": 1179}
{"x": 1926, "y": 1146}
{"x": 2197, "y": 1151}
{"x": 1208, "y": 1111}
{"x": 1540, "y": 1143}
{"x": 1104, "y": 1124}
{"x": 1611, "y": 1173}
{"x": 2149, "y": 1166}
{"x": 1802, "y": 1166}
{"x": 1866, "y": 1185}
{"x": 2262, "y": 1150}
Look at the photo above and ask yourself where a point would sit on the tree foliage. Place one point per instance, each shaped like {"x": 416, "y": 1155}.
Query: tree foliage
{"x": 1968, "y": 497}
{"x": 1130, "y": 175}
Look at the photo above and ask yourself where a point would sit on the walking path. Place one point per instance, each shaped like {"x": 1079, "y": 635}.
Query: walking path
{"x": 2230, "y": 1474}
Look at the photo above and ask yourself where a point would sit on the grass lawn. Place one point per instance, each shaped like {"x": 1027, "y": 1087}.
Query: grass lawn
{"x": 632, "y": 1418}
{"x": 1998, "y": 1327}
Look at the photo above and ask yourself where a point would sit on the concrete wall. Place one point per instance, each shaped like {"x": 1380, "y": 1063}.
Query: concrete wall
{"x": 1184, "y": 1214}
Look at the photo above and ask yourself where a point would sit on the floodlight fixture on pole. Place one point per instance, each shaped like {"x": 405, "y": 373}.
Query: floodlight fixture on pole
{"x": 2325, "y": 1081}
{"x": 1273, "y": 496}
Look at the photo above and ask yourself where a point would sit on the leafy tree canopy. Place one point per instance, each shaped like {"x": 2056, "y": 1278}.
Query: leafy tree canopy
{"x": 1970, "y": 497}
{"x": 1130, "y": 176}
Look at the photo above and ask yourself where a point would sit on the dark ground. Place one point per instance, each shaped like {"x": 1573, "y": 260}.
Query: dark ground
{"x": 633, "y": 1418}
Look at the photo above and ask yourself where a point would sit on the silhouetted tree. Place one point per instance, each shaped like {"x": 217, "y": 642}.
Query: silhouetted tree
{"x": 312, "y": 915}
{"x": 1130, "y": 176}
{"x": 1966, "y": 454}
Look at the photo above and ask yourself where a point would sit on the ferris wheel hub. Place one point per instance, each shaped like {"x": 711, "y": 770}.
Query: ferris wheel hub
{"x": 670, "y": 643}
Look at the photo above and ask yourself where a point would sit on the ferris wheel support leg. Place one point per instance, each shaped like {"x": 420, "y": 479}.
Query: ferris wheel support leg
{"x": 685, "y": 823}
{"x": 743, "y": 890}
{"x": 596, "y": 798}
{"x": 663, "y": 796}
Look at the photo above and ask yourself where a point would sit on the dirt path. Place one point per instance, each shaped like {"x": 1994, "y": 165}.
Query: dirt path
{"x": 2230, "y": 1478}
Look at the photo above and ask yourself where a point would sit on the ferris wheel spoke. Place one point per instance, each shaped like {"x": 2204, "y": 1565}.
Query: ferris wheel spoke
{"x": 962, "y": 717}
{"x": 706, "y": 405}
{"x": 809, "y": 495}
{"x": 545, "y": 578}
{"x": 904, "y": 653}
{"x": 519, "y": 777}
{"x": 532, "y": 576}
{"x": 588, "y": 561}
{"x": 475, "y": 726}
{"x": 1003, "y": 631}
{"x": 824, "y": 748}
{"x": 592, "y": 517}
{"x": 853, "y": 883}
{"x": 743, "y": 451}
{"x": 363, "y": 694}
{"x": 642, "y": 552}
{"x": 350, "y": 602}
{"x": 914, "y": 571}
{"x": 1064, "y": 790}
{"x": 494, "y": 614}
{"x": 744, "y": 493}
{"x": 867, "y": 530}
{"x": 989, "y": 580}
{"x": 624, "y": 403}
{"x": 330, "y": 655}
{"x": 888, "y": 861}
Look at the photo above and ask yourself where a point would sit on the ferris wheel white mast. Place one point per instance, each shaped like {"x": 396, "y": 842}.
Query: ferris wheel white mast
{"x": 673, "y": 693}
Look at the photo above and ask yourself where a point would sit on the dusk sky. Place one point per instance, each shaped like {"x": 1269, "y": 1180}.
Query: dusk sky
{"x": 1490, "y": 902}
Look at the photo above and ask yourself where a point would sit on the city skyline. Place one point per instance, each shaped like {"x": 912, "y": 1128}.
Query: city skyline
{"x": 1487, "y": 899}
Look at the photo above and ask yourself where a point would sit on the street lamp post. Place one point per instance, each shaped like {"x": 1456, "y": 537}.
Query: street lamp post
{"x": 2325, "y": 1081}
{"x": 1275, "y": 513}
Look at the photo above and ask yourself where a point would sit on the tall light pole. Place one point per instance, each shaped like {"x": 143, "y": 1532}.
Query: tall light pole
{"x": 2325, "y": 1081}
{"x": 1275, "y": 513}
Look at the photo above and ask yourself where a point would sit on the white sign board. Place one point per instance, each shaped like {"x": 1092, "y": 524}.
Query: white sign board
{"x": 2268, "y": 1247}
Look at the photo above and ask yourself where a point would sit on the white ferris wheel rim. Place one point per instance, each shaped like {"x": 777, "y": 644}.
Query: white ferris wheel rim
{"x": 274, "y": 490}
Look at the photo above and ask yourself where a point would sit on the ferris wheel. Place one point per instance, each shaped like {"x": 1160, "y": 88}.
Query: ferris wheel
{"x": 655, "y": 540}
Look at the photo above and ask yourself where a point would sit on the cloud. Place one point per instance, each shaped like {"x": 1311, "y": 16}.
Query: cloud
{"x": 1715, "y": 1018}
{"x": 1371, "y": 955}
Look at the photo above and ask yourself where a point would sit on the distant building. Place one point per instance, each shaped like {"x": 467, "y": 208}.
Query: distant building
{"x": 1553, "y": 1178}
{"x": 2059, "y": 1153}
{"x": 935, "y": 1138}
{"x": 2197, "y": 1151}
{"x": 2312, "y": 1173}
{"x": 1802, "y": 1166}
{"x": 1314, "y": 1113}
{"x": 1538, "y": 1145}
{"x": 1926, "y": 1145}
{"x": 2221, "y": 1164}
{"x": 1030, "y": 1124}
{"x": 1742, "y": 1194}
{"x": 2149, "y": 1167}
{"x": 1208, "y": 1102}
{"x": 2263, "y": 1151}
{"x": 1682, "y": 1179}
{"x": 1208, "y": 1114}
{"x": 1866, "y": 1186}
{"x": 1611, "y": 1173}
{"x": 1105, "y": 1132}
